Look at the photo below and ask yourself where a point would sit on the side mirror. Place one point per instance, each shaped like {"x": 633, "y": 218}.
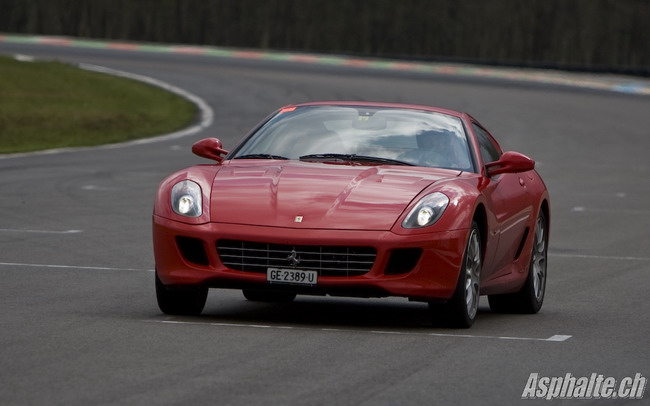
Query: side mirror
{"x": 210, "y": 148}
{"x": 510, "y": 162}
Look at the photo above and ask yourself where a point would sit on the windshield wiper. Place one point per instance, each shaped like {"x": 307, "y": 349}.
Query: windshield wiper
{"x": 353, "y": 158}
{"x": 260, "y": 156}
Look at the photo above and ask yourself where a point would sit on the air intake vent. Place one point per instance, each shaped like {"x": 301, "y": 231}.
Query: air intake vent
{"x": 521, "y": 244}
{"x": 403, "y": 260}
{"x": 192, "y": 250}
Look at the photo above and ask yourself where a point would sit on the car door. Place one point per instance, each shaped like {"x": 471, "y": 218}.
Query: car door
{"x": 510, "y": 204}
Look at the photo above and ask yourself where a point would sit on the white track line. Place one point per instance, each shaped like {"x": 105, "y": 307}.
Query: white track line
{"x": 205, "y": 111}
{"x": 614, "y": 257}
{"x": 91, "y": 268}
{"x": 24, "y": 58}
{"x": 582, "y": 209}
{"x": 554, "y": 338}
{"x": 11, "y": 230}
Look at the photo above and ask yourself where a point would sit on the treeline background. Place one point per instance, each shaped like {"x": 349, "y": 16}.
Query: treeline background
{"x": 597, "y": 35}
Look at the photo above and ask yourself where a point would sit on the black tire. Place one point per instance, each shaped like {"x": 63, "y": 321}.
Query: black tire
{"x": 457, "y": 312}
{"x": 187, "y": 301}
{"x": 530, "y": 298}
{"x": 268, "y": 296}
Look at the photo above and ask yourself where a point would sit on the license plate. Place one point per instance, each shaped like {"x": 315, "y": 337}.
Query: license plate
{"x": 291, "y": 276}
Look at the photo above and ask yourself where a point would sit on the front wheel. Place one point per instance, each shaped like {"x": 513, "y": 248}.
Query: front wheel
{"x": 460, "y": 311}
{"x": 188, "y": 301}
{"x": 530, "y": 297}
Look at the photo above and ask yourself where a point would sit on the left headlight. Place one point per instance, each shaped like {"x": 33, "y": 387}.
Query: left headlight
{"x": 427, "y": 211}
{"x": 186, "y": 199}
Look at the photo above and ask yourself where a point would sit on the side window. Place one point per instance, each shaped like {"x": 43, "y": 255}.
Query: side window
{"x": 489, "y": 151}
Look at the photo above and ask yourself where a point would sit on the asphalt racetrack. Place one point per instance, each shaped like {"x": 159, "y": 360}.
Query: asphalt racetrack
{"x": 79, "y": 322}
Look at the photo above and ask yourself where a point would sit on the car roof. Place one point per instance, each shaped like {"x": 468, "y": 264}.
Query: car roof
{"x": 379, "y": 104}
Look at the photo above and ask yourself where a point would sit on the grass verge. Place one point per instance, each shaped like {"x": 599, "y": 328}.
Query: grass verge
{"x": 47, "y": 105}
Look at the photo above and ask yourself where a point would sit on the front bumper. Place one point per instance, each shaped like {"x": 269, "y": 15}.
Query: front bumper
{"x": 433, "y": 277}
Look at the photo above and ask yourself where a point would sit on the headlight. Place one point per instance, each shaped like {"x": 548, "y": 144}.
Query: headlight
{"x": 186, "y": 199}
{"x": 427, "y": 211}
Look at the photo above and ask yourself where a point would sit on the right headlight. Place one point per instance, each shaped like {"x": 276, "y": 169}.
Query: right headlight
{"x": 427, "y": 211}
{"x": 186, "y": 199}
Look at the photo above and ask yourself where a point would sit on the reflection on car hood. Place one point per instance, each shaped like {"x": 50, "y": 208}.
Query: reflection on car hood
{"x": 317, "y": 195}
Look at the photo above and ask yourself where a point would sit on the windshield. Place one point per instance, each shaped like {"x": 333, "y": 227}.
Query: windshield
{"x": 413, "y": 137}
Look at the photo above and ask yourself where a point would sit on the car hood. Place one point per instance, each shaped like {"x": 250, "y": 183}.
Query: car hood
{"x": 317, "y": 195}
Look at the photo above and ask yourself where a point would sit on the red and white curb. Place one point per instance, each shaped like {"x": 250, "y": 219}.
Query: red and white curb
{"x": 613, "y": 83}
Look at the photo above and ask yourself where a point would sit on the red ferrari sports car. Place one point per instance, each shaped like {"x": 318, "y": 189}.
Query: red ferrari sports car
{"x": 356, "y": 199}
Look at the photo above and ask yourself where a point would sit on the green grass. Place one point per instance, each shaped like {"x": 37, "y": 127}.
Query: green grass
{"x": 47, "y": 105}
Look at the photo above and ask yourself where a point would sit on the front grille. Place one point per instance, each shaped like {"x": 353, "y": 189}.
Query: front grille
{"x": 327, "y": 260}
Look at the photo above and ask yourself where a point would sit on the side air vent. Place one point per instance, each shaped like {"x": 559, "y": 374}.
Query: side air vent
{"x": 192, "y": 250}
{"x": 403, "y": 260}
{"x": 521, "y": 244}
